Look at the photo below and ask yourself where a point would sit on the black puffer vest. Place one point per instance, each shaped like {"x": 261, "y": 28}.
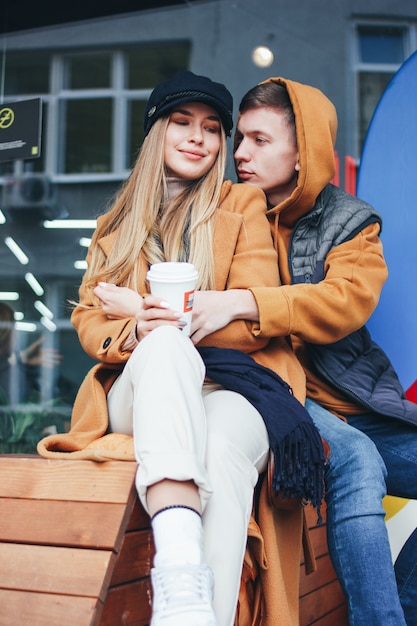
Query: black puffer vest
{"x": 355, "y": 365}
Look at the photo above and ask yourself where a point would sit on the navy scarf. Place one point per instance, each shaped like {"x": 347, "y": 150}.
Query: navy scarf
{"x": 295, "y": 442}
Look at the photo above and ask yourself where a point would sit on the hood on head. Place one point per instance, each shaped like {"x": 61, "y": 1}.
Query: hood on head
{"x": 316, "y": 128}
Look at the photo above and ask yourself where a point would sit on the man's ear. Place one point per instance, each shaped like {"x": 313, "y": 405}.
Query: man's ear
{"x": 297, "y": 163}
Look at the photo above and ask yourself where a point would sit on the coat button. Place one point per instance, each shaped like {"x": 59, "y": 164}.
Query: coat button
{"x": 107, "y": 343}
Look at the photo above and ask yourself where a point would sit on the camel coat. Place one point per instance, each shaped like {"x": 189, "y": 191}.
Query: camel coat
{"x": 244, "y": 257}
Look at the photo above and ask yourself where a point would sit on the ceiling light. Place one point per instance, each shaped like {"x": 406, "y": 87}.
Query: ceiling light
{"x": 43, "y": 309}
{"x": 17, "y": 250}
{"x": 34, "y": 284}
{"x": 85, "y": 242}
{"x": 70, "y": 224}
{"x": 2, "y": 218}
{"x": 262, "y": 56}
{"x": 9, "y": 295}
{"x": 80, "y": 265}
{"x": 49, "y": 324}
{"x": 28, "y": 327}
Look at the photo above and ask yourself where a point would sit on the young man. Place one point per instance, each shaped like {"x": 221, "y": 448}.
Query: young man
{"x": 332, "y": 269}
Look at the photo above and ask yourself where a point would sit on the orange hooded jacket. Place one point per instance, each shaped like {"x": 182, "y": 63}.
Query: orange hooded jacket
{"x": 355, "y": 271}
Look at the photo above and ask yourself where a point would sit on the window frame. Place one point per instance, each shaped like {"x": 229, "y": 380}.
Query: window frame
{"x": 121, "y": 96}
{"x": 358, "y": 67}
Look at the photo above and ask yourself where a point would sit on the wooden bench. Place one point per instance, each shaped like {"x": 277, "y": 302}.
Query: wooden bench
{"x": 322, "y": 602}
{"x": 76, "y": 549}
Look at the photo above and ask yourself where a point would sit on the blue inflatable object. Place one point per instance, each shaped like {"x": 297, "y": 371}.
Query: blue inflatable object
{"x": 387, "y": 179}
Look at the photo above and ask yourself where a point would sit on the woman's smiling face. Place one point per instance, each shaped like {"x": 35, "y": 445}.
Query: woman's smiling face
{"x": 192, "y": 140}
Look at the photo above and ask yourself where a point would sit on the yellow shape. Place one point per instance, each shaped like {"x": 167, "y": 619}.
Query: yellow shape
{"x": 6, "y": 117}
{"x": 35, "y": 150}
{"x": 393, "y": 505}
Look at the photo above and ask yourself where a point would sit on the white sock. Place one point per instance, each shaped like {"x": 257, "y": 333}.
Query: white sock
{"x": 178, "y": 537}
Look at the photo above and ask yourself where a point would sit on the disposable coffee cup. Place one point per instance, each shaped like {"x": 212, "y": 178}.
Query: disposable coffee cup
{"x": 175, "y": 283}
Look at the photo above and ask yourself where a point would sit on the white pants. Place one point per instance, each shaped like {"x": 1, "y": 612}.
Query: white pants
{"x": 186, "y": 430}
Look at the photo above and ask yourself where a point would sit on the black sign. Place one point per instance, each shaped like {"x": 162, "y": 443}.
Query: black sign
{"x": 20, "y": 130}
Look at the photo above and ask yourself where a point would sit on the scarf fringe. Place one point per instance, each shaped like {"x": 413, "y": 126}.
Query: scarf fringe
{"x": 298, "y": 465}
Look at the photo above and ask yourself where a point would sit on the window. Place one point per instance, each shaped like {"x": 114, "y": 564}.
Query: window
{"x": 381, "y": 49}
{"x": 86, "y": 140}
{"x": 27, "y": 74}
{"x": 381, "y": 44}
{"x": 87, "y": 71}
{"x": 93, "y": 103}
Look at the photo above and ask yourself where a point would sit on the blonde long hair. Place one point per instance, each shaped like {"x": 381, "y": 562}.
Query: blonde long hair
{"x": 145, "y": 224}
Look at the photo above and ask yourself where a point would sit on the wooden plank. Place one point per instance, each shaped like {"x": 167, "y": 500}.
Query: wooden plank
{"x": 85, "y": 481}
{"x": 64, "y": 571}
{"x": 324, "y": 575}
{"x": 320, "y": 602}
{"x": 139, "y": 519}
{"x": 135, "y": 558}
{"x": 338, "y": 617}
{"x": 129, "y": 605}
{"x": 45, "y": 610}
{"x": 61, "y": 523}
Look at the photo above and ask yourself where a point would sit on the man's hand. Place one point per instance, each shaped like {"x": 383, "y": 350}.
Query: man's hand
{"x": 214, "y": 310}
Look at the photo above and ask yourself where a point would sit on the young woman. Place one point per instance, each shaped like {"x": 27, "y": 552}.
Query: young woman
{"x": 199, "y": 447}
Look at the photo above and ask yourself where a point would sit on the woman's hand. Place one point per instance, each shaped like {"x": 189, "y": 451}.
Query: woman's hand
{"x": 118, "y": 302}
{"x": 213, "y": 310}
{"x": 155, "y": 312}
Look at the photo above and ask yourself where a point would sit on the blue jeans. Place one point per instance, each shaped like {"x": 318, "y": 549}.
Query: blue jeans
{"x": 369, "y": 457}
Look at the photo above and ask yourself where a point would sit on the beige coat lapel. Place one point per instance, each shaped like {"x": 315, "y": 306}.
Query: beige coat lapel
{"x": 226, "y": 233}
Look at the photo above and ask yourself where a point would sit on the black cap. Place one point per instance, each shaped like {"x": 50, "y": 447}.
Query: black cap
{"x": 188, "y": 87}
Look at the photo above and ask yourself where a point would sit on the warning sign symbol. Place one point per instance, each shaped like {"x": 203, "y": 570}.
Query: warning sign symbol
{"x": 6, "y": 117}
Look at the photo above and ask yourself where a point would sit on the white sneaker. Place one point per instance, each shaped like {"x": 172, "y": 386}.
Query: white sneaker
{"x": 182, "y": 596}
